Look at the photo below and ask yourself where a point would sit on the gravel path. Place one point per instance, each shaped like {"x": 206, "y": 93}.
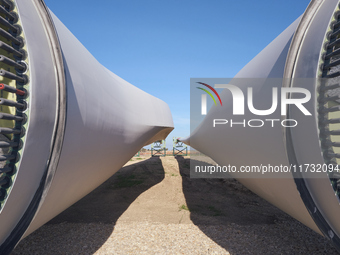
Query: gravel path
{"x": 153, "y": 207}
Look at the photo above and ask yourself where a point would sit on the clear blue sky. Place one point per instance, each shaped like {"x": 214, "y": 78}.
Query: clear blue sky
{"x": 159, "y": 45}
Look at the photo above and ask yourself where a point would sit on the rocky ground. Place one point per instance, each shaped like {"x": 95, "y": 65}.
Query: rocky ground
{"x": 151, "y": 206}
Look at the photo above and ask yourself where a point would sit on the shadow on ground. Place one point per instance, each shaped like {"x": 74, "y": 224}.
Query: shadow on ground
{"x": 220, "y": 201}
{"x": 111, "y": 200}
{"x": 230, "y": 214}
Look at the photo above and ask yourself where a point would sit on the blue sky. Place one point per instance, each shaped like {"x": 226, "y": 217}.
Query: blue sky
{"x": 159, "y": 45}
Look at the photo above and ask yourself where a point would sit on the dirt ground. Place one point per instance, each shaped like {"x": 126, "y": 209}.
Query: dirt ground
{"x": 158, "y": 192}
